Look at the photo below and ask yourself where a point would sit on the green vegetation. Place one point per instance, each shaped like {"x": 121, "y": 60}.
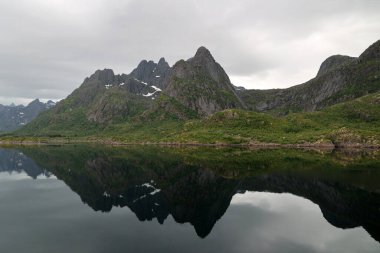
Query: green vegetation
{"x": 353, "y": 122}
{"x": 197, "y": 104}
{"x": 357, "y": 121}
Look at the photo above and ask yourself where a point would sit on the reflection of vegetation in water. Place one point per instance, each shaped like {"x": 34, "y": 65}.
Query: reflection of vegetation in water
{"x": 196, "y": 184}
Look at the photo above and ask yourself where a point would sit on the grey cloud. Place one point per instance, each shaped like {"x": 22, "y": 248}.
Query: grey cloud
{"x": 48, "y": 47}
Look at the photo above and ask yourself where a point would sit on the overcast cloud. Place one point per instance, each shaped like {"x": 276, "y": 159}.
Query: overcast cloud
{"x": 48, "y": 47}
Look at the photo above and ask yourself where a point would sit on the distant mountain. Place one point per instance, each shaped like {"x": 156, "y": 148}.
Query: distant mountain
{"x": 340, "y": 78}
{"x": 13, "y": 117}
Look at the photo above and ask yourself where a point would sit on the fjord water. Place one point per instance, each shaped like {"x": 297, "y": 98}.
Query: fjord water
{"x": 155, "y": 199}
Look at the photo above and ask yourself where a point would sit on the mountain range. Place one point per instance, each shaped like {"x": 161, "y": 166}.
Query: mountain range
{"x": 198, "y": 89}
{"x": 13, "y": 117}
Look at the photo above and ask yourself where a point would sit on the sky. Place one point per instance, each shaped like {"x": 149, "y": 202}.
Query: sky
{"x": 48, "y": 47}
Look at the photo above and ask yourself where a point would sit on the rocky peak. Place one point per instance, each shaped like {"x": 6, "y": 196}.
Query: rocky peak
{"x": 204, "y": 62}
{"x": 162, "y": 67}
{"x": 35, "y": 102}
{"x": 333, "y": 62}
{"x": 106, "y": 76}
{"x": 162, "y": 62}
{"x": 35, "y": 107}
{"x": 372, "y": 53}
{"x": 202, "y": 85}
{"x": 203, "y": 54}
{"x": 50, "y": 104}
{"x": 152, "y": 73}
{"x": 144, "y": 70}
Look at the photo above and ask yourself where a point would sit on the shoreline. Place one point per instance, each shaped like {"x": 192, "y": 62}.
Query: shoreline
{"x": 195, "y": 144}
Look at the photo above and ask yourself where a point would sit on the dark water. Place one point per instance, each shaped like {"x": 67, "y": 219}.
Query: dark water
{"x": 154, "y": 199}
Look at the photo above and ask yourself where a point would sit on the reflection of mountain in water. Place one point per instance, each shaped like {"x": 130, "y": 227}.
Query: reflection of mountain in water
{"x": 12, "y": 160}
{"x": 196, "y": 186}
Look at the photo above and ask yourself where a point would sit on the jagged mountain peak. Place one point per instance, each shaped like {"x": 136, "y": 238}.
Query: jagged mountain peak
{"x": 202, "y": 85}
{"x": 162, "y": 61}
{"x": 371, "y": 53}
{"x": 144, "y": 69}
{"x": 202, "y": 52}
{"x": 163, "y": 64}
{"x": 35, "y": 101}
{"x": 202, "y": 55}
{"x": 152, "y": 73}
{"x": 105, "y": 75}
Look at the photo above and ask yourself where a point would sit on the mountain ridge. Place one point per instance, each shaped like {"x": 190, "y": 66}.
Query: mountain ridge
{"x": 13, "y": 117}
{"x": 198, "y": 89}
{"x": 340, "y": 78}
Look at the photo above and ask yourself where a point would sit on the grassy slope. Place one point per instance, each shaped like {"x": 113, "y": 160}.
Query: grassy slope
{"x": 356, "y": 121}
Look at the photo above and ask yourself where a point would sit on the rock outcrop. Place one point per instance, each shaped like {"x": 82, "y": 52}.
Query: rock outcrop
{"x": 333, "y": 62}
{"x": 340, "y": 78}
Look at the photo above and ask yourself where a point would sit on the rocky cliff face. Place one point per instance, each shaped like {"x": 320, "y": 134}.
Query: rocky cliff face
{"x": 152, "y": 73}
{"x": 202, "y": 85}
{"x": 13, "y": 117}
{"x": 372, "y": 53}
{"x": 339, "y": 79}
{"x": 333, "y": 62}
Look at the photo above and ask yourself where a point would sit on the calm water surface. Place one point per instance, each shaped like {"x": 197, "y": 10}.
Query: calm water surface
{"x": 151, "y": 199}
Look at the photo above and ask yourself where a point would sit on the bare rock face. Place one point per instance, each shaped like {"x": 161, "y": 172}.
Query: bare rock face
{"x": 202, "y": 85}
{"x": 333, "y": 62}
{"x": 106, "y": 76}
{"x": 372, "y": 53}
{"x": 152, "y": 73}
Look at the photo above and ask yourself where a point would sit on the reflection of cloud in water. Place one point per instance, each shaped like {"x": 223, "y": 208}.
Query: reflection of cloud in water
{"x": 288, "y": 219}
{"x": 14, "y": 176}
{"x": 273, "y": 202}
{"x": 17, "y": 164}
{"x": 18, "y": 176}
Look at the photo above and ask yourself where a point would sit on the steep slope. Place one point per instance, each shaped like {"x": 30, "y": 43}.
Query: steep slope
{"x": 104, "y": 98}
{"x": 333, "y": 62}
{"x": 339, "y": 79}
{"x": 152, "y": 73}
{"x": 202, "y": 85}
{"x": 13, "y": 117}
